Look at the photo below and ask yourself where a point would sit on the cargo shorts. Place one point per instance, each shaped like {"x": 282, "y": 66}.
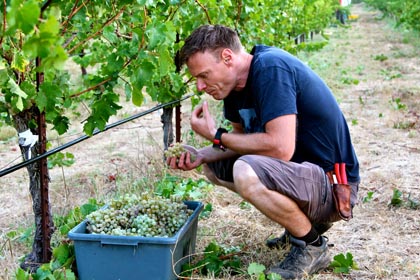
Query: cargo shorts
{"x": 305, "y": 183}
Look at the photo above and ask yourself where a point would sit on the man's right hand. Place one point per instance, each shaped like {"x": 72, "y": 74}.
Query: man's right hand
{"x": 188, "y": 160}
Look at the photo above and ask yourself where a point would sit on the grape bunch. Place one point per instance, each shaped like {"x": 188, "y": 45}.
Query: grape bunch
{"x": 145, "y": 215}
{"x": 176, "y": 150}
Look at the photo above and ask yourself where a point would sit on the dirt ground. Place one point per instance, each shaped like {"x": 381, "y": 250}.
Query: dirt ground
{"x": 375, "y": 74}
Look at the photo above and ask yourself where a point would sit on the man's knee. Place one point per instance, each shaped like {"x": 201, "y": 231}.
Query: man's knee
{"x": 245, "y": 179}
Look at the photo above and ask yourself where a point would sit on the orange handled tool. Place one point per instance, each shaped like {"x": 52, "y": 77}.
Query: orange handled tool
{"x": 343, "y": 174}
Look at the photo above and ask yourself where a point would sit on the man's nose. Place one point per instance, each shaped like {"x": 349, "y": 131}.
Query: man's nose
{"x": 200, "y": 85}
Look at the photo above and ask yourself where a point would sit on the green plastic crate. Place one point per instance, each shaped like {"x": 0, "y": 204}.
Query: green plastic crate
{"x": 109, "y": 257}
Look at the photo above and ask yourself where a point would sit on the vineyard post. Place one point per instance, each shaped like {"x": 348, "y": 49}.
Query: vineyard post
{"x": 46, "y": 221}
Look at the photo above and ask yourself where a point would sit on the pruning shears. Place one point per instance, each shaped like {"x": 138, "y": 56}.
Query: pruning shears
{"x": 340, "y": 176}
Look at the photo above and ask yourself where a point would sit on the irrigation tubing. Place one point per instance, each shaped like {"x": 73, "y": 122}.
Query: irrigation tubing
{"x": 84, "y": 137}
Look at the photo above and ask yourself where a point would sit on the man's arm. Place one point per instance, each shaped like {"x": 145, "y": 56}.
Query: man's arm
{"x": 277, "y": 141}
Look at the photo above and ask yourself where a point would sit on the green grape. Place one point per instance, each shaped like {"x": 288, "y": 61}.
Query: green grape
{"x": 176, "y": 150}
{"x": 143, "y": 215}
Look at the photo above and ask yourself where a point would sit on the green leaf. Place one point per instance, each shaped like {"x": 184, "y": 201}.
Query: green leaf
{"x": 4, "y": 77}
{"x": 61, "y": 124}
{"x": 144, "y": 74}
{"x": 396, "y": 198}
{"x": 156, "y": 35}
{"x": 50, "y": 26}
{"x": 66, "y": 274}
{"x": 43, "y": 273}
{"x": 343, "y": 264}
{"x": 61, "y": 253}
{"x": 21, "y": 274}
{"x": 103, "y": 108}
{"x": 60, "y": 159}
{"x": 88, "y": 208}
{"x": 137, "y": 97}
{"x": 48, "y": 97}
{"x": 109, "y": 34}
{"x": 23, "y": 15}
{"x": 255, "y": 269}
{"x": 165, "y": 61}
{"x": 273, "y": 276}
{"x": 19, "y": 62}
{"x": 19, "y": 94}
{"x": 16, "y": 89}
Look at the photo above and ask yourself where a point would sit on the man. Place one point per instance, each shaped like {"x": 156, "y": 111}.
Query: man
{"x": 288, "y": 131}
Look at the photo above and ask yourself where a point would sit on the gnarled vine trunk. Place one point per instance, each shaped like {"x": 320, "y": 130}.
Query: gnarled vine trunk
{"x": 44, "y": 227}
{"x": 168, "y": 132}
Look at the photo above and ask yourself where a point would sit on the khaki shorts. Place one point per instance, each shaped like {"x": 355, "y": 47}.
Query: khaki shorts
{"x": 305, "y": 183}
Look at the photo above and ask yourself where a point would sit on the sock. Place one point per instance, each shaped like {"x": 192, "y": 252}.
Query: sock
{"x": 312, "y": 238}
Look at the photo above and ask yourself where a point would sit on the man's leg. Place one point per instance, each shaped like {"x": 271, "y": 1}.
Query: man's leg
{"x": 309, "y": 253}
{"x": 274, "y": 205}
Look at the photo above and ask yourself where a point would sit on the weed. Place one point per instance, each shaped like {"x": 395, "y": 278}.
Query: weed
{"x": 397, "y": 104}
{"x": 187, "y": 189}
{"x": 404, "y": 125}
{"x": 360, "y": 69}
{"x": 413, "y": 203}
{"x": 380, "y": 57}
{"x": 343, "y": 263}
{"x": 398, "y": 200}
{"x": 58, "y": 268}
{"x": 368, "y": 197}
{"x": 390, "y": 75}
{"x": 60, "y": 159}
{"x": 215, "y": 258}
{"x": 349, "y": 81}
{"x": 361, "y": 101}
{"x": 256, "y": 271}
{"x": 412, "y": 134}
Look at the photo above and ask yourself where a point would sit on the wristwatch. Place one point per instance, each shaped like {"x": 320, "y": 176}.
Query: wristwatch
{"x": 217, "y": 141}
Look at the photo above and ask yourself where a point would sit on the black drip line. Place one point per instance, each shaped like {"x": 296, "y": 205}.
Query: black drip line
{"x": 84, "y": 137}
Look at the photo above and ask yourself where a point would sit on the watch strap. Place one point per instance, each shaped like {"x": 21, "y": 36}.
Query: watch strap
{"x": 217, "y": 141}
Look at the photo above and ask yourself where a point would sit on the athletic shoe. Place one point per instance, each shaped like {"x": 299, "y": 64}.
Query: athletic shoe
{"x": 303, "y": 260}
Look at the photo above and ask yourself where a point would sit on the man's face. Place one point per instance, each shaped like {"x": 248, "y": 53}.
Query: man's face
{"x": 214, "y": 76}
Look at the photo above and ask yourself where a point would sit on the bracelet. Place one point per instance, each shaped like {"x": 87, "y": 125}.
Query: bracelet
{"x": 217, "y": 141}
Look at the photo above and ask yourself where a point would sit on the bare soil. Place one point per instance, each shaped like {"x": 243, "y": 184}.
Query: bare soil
{"x": 381, "y": 101}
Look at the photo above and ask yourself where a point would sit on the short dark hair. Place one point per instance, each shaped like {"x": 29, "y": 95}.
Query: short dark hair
{"x": 209, "y": 38}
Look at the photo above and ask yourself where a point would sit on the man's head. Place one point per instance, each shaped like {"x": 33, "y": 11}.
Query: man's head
{"x": 215, "y": 57}
{"x": 211, "y": 38}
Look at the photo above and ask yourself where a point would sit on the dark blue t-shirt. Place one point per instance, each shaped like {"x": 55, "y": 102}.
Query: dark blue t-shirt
{"x": 280, "y": 84}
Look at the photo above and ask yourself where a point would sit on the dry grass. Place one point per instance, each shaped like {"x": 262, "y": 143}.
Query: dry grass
{"x": 384, "y": 241}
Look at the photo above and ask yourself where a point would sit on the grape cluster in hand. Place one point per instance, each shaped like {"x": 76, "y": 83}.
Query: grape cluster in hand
{"x": 145, "y": 215}
{"x": 176, "y": 150}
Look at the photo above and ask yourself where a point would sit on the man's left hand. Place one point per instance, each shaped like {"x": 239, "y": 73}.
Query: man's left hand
{"x": 202, "y": 122}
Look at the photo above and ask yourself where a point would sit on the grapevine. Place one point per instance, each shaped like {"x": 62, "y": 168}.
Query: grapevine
{"x": 145, "y": 215}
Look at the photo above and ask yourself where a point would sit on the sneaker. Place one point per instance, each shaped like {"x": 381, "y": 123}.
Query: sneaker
{"x": 303, "y": 260}
{"x": 284, "y": 239}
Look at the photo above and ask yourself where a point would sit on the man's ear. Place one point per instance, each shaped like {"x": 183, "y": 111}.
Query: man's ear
{"x": 226, "y": 55}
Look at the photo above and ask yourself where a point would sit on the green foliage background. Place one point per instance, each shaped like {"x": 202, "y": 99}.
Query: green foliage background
{"x": 130, "y": 44}
{"x": 406, "y": 12}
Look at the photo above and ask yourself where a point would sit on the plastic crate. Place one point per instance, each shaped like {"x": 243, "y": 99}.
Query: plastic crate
{"x": 110, "y": 257}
